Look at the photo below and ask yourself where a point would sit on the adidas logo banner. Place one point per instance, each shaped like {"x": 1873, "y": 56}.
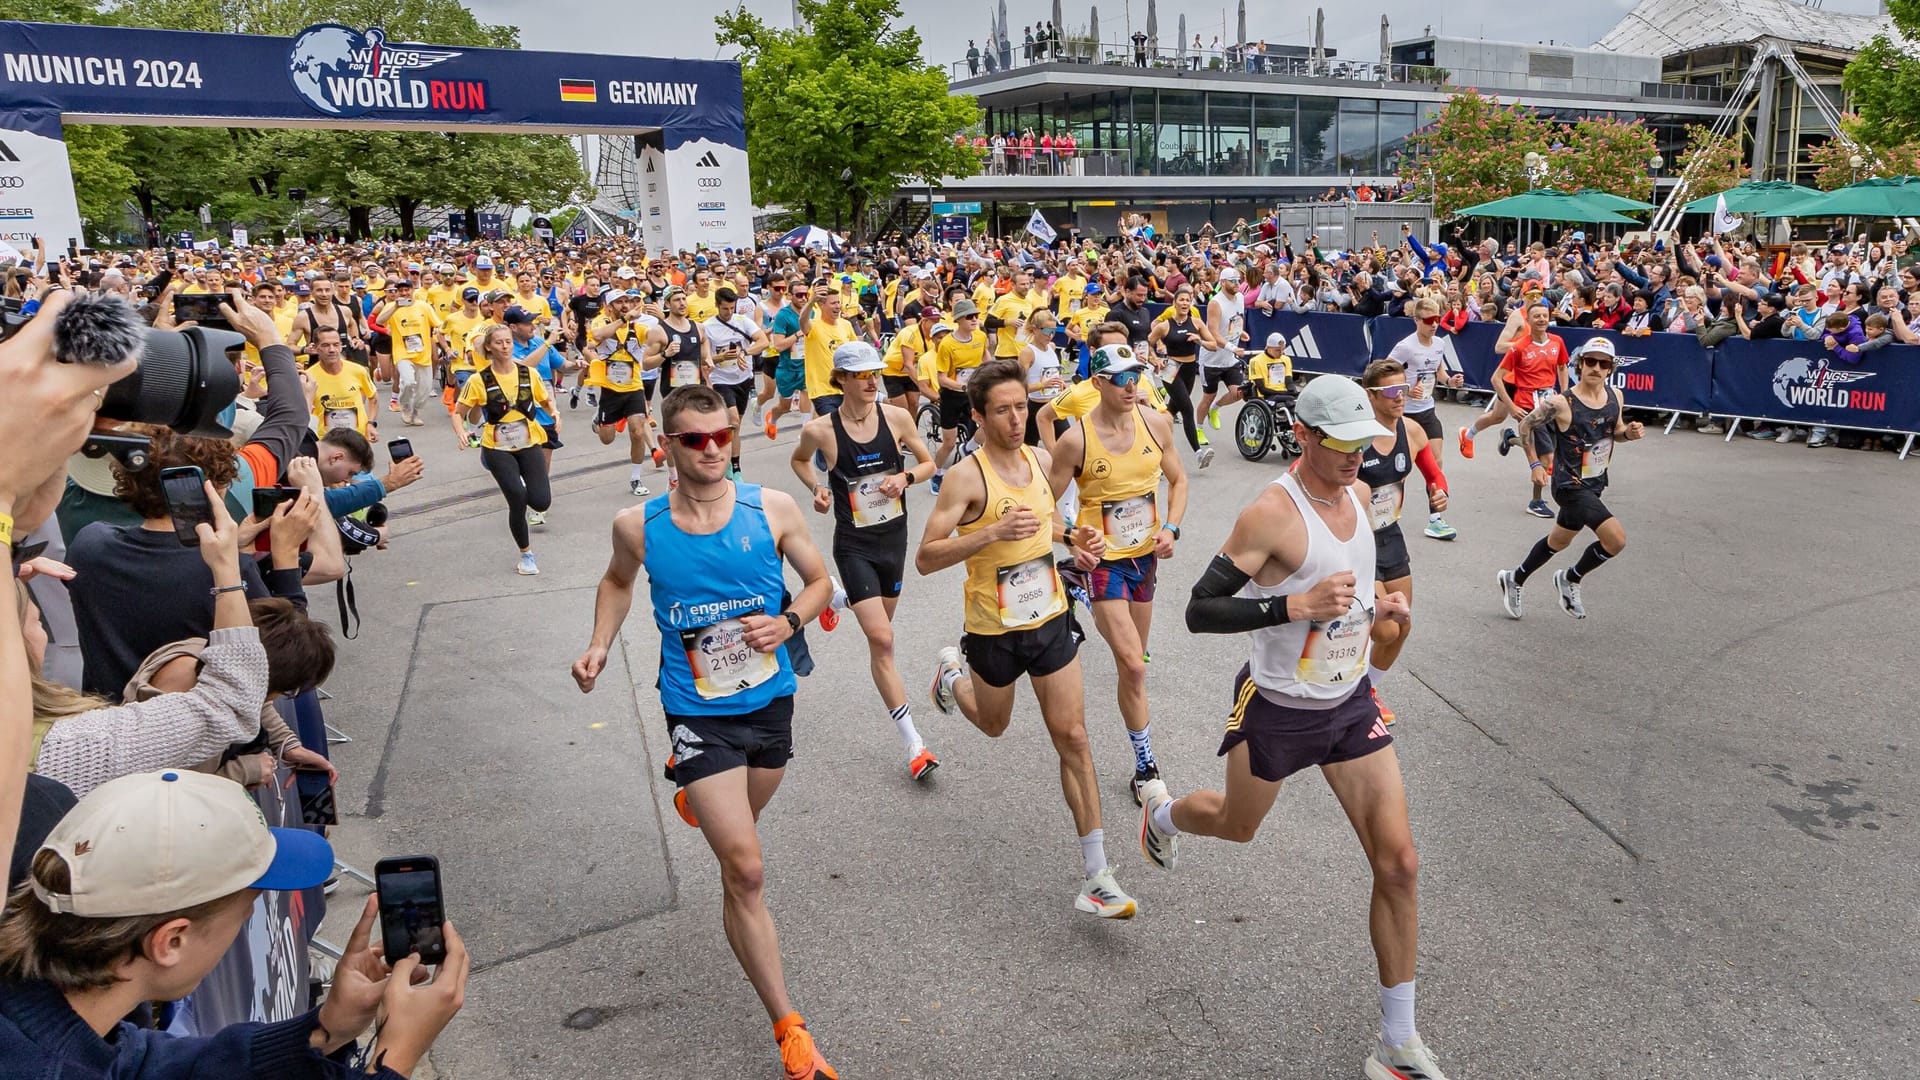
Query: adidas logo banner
{"x": 708, "y": 161}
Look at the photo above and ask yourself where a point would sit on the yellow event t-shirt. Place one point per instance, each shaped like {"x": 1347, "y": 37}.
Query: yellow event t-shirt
{"x": 340, "y": 400}
{"x": 411, "y": 328}
{"x": 958, "y": 359}
{"x": 460, "y": 327}
{"x": 822, "y": 338}
{"x": 516, "y": 430}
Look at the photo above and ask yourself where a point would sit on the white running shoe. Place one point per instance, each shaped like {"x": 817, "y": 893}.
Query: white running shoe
{"x": 1569, "y": 595}
{"x": 1410, "y": 1062}
{"x": 1509, "y": 594}
{"x": 1162, "y": 849}
{"x": 639, "y": 489}
{"x": 942, "y": 693}
{"x": 1204, "y": 456}
{"x": 527, "y": 567}
{"x": 535, "y": 517}
{"x": 1101, "y": 895}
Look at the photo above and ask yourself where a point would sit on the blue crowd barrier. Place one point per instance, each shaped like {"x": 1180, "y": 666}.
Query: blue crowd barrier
{"x": 1320, "y": 342}
{"x": 1797, "y": 382}
{"x": 1668, "y": 372}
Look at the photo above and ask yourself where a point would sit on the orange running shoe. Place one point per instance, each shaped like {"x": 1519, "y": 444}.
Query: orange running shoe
{"x": 686, "y": 810}
{"x": 620, "y": 424}
{"x": 1386, "y": 714}
{"x": 773, "y": 430}
{"x": 798, "y": 1055}
{"x": 923, "y": 764}
{"x": 659, "y": 457}
{"x": 1466, "y": 443}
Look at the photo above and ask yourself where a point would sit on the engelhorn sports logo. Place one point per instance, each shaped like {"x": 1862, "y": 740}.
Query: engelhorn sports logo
{"x": 708, "y": 161}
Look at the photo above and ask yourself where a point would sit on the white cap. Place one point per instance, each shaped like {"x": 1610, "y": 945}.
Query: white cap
{"x": 625, "y": 272}
{"x": 152, "y": 843}
{"x": 484, "y": 262}
{"x": 1275, "y": 341}
{"x": 856, "y": 357}
{"x": 1230, "y": 274}
{"x": 1597, "y": 346}
{"x": 1335, "y": 406}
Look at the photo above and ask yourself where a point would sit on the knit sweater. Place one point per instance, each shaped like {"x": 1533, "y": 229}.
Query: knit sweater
{"x": 168, "y": 731}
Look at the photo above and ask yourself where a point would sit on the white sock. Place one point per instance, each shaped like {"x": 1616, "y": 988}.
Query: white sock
{"x": 635, "y": 474}
{"x": 951, "y": 676}
{"x": 1376, "y": 674}
{"x": 1163, "y": 818}
{"x": 903, "y": 719}
{"x": 939, "y": 471}
{"x": 1433, "y": 515}
{"x": 1093, "y": 851}
{"x": 1396, "y": 1014}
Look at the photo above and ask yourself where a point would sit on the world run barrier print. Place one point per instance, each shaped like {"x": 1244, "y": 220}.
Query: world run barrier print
{"x": 1784, "y": 382}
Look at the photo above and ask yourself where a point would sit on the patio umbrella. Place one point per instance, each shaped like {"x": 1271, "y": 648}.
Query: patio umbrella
{"x": 1241, "y": 37}
{"x": 809, "y": 236}
{"x": 1879, "y": 197}
{"x": 1607, "y": 200}
{"x": 1153, "y": 25}
{"x": 1386, "y": 42}
{"x": 1180, "y": 40}
{"x": 1546, "y": 204}
{"x": 1059, "y": 21}
{"x": 1093, "y": 30}
{"x": 1759, "y": 198}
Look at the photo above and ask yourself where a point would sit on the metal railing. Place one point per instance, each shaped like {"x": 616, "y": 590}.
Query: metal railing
{"x": 1081, "y": 161}
{"x": 1247, "y": 61}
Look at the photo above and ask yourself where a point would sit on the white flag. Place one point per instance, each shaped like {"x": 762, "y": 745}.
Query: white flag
{"x": 1724, "y": 222}
{"x": 1037, "y": 225}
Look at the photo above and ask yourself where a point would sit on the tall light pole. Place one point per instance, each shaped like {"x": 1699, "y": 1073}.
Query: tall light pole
{"x": 1855, "y": 163}
{"x": 1536, "y": 165}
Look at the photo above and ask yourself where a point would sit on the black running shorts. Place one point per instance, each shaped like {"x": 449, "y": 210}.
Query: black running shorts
{"x": 999, "y": 659}
{"x": 954, "y": 408}
{"x": 1390, "y": 559}
{"x": 738, "y": 396}
{"x": 1213, "y": 378}
{"x": 900, "y": 385}
{"x": 1282, "y": 741}
{"x": 617, "y": 405}
{"x": 706, "y": 746}
{"x": 1580, "y": 508}
{"x": 870, "y": 569}
{"x": 1429, "y": 422}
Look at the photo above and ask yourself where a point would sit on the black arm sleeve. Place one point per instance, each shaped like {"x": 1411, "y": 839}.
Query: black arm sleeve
{"x": 283, "y": 412}
{"x": 1214, "y": 609}
{"x": 992, "y": 322}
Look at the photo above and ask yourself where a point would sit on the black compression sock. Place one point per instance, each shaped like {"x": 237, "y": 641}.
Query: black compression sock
{"x": 1535, "y": 559}
{"x": 1590, "y": 561}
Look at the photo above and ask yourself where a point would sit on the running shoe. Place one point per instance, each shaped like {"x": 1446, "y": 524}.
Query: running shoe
{"x": 936, "y": 483}
{"x": 1710, "y": 427}
{"x": 593, "y": 398}
{"x": 1569, "y": 594}
{"x": 1204, "y": 455}
{"x": 573, "y": 399}
{"x": 942, "y": 693}
{"x": 1101, "y": 895}
{"x": 1509, "y": 438}
{"x": 1162, "y": 849}
{"x": 1440, "y": 530}
{"x": 1141, "y": 778}
{"x": 527, "y": 567}
{"x": 1509, "y": 593}
{"x": 535, "y": 517}
{"x": 798, "y": 1055}
{"x": 1146, "y": 658}
{"x": 1200, "y": 436}
{"x": 1539, "y": 508}
{"x": 1213, "y": 418}
{"x": 638, "y": 488}
{"x": 1386, "y": 715}
{"x": 733, "y": 472}
{"x": 393, "y": 403}
{"x": 1466, "y": 443}
{"x": 1761, "y": 433}
{"x": 923, "y": 764}
{"x": 684, "y": 808}
{"x": 659, "y": 457}
{"x": 1787, "y": 435}
{"x": 1410, "y": 1062}
{"x": 473, "y": 441}
{"x": 772, "y": 429}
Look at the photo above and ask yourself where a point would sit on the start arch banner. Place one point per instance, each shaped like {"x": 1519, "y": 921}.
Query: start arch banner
{"x": 690, "y": 112}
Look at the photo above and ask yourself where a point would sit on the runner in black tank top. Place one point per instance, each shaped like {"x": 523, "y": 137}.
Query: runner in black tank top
{"x": 1585, "y": 422}
{"x": 1182, "y": 336}
{"x": 1386, "y": 475}
{"x": 670, "y": 347}
{"x": 865, "y": 489}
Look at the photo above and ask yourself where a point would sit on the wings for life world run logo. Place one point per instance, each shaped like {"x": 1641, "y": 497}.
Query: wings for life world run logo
{"x": 345, "y": 72}
{"x": 1818, "y": 384}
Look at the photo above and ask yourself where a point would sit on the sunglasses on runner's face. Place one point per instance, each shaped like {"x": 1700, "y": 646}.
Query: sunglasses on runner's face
{"x": 1391, "y": 393}
{"x": 1122, "y": 379}
{"x": 700, "y": 440}
{"x": 1342, "y": 446}
{"x": 1596, "y": 361}
{"x": 1430, "y": 320}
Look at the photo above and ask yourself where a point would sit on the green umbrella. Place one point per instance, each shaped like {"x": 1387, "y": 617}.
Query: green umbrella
{"x": 1607, "y": 200}
{"x": 1546, "y": 204}
{"x": 1761, "y": 198}
{"x": 1879, "y": 197}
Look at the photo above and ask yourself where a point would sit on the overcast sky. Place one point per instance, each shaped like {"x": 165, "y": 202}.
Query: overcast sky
{"x": 945, "y": 25}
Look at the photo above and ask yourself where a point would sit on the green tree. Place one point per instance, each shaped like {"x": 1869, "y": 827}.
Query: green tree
{"x": 102, "y": 182}
{"x": 844, "y": 112}
{"x": 1883, "y": 81}
{"x": 1604, "y": 153}
{"x": 1474, "y": 152}
{"x": 1712, "y": 163}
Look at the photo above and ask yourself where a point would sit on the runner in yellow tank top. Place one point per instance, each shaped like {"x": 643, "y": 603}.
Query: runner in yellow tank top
{"x": 1018, "y": 619}
{"x": 1117, "y": 453}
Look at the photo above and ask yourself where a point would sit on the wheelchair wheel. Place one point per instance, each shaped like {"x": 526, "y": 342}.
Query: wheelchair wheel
{"x": 1283, "y": 437}
{"x": 928, "y": 421}
{"x": 1253, "y": 429}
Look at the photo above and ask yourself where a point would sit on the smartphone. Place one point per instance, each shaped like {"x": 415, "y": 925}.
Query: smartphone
{"x": 201, "y": 308}
{"x": 316, "y": 797}
{"x": 411, "y": 908}
{"x": 185, "y": 489}
{"x": 399, "y": 449}
{"x": 265, "y": 499}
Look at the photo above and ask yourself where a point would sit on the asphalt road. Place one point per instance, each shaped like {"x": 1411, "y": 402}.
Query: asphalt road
{"x": 1673, "y": 840}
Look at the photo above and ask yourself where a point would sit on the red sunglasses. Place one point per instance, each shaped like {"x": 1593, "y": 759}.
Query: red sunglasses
{"x": 700, "y": 440}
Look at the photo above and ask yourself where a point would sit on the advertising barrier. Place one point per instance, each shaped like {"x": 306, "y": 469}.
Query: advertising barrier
{"x": 1321, "y": 343}
{"x": 1797, "y": 382}
{"x": 1668, "y": 372}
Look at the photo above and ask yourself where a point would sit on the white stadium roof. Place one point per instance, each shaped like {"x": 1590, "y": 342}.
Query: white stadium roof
{"x": 1665, "y": 27}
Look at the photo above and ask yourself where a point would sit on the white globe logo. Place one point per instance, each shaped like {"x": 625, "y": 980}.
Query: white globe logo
{"x": 1795, "y": 372}
{"x": 316, "y": 53}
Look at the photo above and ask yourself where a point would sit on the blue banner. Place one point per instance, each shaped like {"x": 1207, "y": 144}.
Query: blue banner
{"x": 1324, "y": 343}
{"x": 328, "y": 75}
{"x": 1669, "y": 372}
{"x": 1797, "y": 382}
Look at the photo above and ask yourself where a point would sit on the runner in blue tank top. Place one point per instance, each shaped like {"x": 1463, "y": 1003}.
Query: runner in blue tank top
{"x": 712, "y": 550}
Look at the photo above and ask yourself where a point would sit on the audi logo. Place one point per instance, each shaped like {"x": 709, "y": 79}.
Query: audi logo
{"x": 13, "y": 181}
{"x": 711, "y": 182}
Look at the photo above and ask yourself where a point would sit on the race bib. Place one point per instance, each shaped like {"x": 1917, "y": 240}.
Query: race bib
{"x": 511, "y": 435}
{"x": 1593, "y": 463}
{"x": 620, "y": 373}
{"x": 871, "y": 506}
{"x": 1425, "y": 382}
{"x": 1383, "y": 509}
{"x": 1235, "y": 326}
{"x": 343, "y": 418}
{"x": 961, "y": 375}
{"x": 413, "y": 343}
{"x": 1336, "y": 650}
{"x": 686, "y": 372}
{"x": 1030, "y": 592}
{"x": 722, "y": 662}
{"x": 1128, "y": 523}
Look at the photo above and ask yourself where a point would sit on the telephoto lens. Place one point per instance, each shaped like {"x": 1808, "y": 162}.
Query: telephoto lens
{"x": 185, "y": 380}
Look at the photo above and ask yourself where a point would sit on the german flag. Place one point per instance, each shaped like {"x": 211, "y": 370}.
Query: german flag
{"x": 578, "y": 90}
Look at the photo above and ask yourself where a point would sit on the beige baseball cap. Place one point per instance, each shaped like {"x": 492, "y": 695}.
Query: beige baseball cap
{"x": 156, "y": 842}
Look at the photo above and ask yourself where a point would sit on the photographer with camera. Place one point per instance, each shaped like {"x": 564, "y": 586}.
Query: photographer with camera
{"x": 136, "y": 896}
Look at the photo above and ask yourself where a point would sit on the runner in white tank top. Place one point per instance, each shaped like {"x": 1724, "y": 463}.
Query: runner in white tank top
{"x": 1224, "y": 367}
{"x": 1297, "y": 575}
